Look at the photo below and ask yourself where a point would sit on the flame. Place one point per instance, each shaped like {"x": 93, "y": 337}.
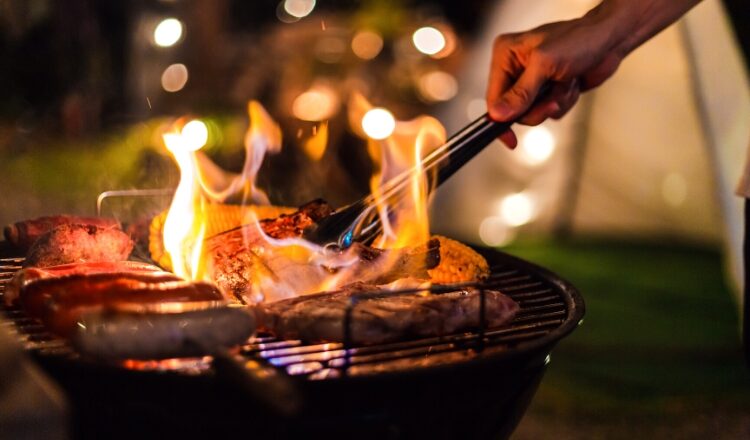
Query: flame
{"x": 398, "y": 157}
{"x": 184, "y": 227}
{"x": 202, "y": 183}
{"x": 315, "y": 145}
{"x": 293, "y": 266}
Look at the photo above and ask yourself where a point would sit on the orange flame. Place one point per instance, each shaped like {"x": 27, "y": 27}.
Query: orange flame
{"x": 398, "y": 157}
{"x": 202, "y": 182}
{"x": 293, "y": 266}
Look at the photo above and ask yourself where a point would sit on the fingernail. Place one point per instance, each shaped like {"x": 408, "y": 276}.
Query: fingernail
{"x": 501, "y": 110}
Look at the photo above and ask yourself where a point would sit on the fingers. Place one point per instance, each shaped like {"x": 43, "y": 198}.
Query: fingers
{"x": 504, "y": 70}
{"x": 516, "y": 100}
{"x": 509, "y": 139}
{"x": 560, "y": 99}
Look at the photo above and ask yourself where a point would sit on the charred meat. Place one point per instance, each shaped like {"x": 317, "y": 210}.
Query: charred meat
{"x": 75, "y": 243}
{"x": 22, "y": 235}
{"x": 382, "y": 318}
{"x": 253, "y": 271}
{"x": 29, "y": 275}
{"x": 60, "y": 302}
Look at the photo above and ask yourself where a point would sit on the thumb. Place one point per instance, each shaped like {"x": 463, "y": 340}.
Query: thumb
{"x": 515, "y": 101}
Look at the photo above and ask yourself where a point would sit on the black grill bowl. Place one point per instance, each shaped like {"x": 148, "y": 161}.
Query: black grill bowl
{"x": 472, "y": 385}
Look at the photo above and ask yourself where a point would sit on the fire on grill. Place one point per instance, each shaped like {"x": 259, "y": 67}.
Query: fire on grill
{"x": 78, "y": 283}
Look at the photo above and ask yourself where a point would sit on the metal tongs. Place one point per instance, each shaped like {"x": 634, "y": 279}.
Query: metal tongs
{"x": 360, "y": 222}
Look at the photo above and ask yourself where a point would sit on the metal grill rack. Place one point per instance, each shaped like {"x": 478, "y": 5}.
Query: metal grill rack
{"x": 549, "y": 309}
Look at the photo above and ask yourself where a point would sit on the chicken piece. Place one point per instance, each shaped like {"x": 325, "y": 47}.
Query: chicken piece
{"x": 74, "y": 243}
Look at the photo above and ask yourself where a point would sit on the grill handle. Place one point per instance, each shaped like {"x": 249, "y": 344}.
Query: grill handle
{"x": 268, "y": 386}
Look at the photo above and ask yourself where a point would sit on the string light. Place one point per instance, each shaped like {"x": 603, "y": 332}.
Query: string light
{"x": 316, "y": 104}
{"x": 378, "y": 123}
{"x": 428, "y": 40}
{"x": 299, "y": 8}
{"x": 517, "y": 209}
{"x": 438, "y": 86}
{"x": 194, "y": 135}
{"x": 495, "y": 232}
{"x": 168, "y": 32}
{"x": 367, "y": 44}
{"x": 537, "y": 145}
{"x": 174, "y": 78}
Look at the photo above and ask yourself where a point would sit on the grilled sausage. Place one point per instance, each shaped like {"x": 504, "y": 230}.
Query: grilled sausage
{"x": 63, "y": 307}
{"x": 29, "y": 275}
{"x": 162, "y": 335}
{"x": 23, "y": 234}
{"x": 89, "y": 288}
{"x": 74, "y": 243}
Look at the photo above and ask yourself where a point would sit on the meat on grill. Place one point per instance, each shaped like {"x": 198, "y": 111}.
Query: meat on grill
{"x": 382, "y": 318}
{"x": 26, "y": 276}
{"x": 244, "y": 264}
{"x": 60, "y": 302}
{"x": 74, "y": 243}
{"x": 23, "y": 234}
{"x": 247, "y": 271}
{"x": 162, "y": 335}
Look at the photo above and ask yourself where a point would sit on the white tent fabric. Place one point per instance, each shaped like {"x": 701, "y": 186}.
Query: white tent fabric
{"x": 655, "y": 152}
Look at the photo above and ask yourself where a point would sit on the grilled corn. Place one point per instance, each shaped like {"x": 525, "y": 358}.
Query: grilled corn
{"x": 458, "y": 263}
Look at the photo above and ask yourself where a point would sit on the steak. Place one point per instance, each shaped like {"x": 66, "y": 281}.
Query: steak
{"x": 377, "y": 319}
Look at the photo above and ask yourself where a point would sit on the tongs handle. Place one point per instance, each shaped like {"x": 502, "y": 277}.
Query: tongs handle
{"x": 472, "y": 139}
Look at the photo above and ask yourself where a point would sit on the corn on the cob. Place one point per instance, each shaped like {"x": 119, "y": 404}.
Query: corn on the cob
{"x": 458, "y": 263}
{"x": 219, "y": 218}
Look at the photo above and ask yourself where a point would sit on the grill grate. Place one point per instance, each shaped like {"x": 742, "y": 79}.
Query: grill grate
{"x": 545, "y": 307}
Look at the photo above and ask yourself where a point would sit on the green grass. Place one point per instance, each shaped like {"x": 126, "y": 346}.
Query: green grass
{"x": 660, "y": 336}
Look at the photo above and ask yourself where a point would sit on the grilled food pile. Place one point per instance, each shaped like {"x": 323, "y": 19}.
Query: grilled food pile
{"x": 78, "y": 281}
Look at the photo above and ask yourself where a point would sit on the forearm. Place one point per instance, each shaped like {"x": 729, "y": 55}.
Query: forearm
{"x": 632, "y": 22}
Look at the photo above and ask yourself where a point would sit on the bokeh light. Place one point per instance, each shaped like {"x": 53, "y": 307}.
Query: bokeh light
{"x": 367, "y": 44}
{"x": 299, "y": 8}
{"x": 194, "y": 135}
{"x": 378, "y": 123}
{"x": 517, "y": 209}
{"x": 428, "y": 40}
{"x": 536, "y": 145}
{"x": 316, "y": 104}
{"x": 168, "y": 32}
{"x": 495, "y": 232}
{"x": 437, "y": 86}
{"x": 674, "y": 189}
{"x": 174, "y": 78}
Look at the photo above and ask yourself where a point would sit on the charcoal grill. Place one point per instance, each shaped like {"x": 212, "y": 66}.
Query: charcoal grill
{"x": 473, "y": 384}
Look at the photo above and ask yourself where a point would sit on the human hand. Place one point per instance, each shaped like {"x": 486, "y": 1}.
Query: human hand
{"x": 573, "y": 56}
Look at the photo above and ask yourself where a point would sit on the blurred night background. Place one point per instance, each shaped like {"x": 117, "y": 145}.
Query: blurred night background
{"x": 629, "y": 196}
